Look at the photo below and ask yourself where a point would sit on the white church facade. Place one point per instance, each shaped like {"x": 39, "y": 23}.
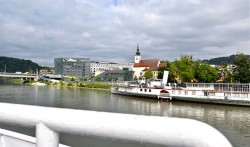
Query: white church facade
{"x": 141, "y": 66}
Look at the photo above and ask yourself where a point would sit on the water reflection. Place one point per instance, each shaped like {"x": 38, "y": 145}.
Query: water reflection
{"x": 233, "y": 122}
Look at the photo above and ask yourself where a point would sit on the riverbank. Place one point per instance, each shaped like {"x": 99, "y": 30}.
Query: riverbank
{"x": 91, "y": 85}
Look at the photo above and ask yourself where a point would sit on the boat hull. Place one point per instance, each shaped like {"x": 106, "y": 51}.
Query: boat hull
{"x": 136, "y": 94}
{"x": 212, "y": 101}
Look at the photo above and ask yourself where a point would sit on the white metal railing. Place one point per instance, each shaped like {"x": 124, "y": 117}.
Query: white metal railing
{"x": 149, "y": 129}
{"x": 14, "y": 139}
{"x": 11, "y": 139}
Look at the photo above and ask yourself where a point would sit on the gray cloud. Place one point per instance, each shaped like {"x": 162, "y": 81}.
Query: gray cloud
{"x": 41, "y": 30}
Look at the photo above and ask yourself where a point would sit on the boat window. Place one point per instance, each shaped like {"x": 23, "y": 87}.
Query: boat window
{"x": 140, "y": 89}
{"x": 145, "y": 90}
{"x": 149, "y": 90}
{"x": 179, "y": 92}
{"x": 211, "y": 93}
{"x": 236, "y": 95}
{"x": 186, "y": 92}
{"x": 193, "y": 93}
{"x": 206, "y": 93}
{"x": 173, "y": 91}
{"x": 244, "y": 95}
{"x": 207, "y": 85}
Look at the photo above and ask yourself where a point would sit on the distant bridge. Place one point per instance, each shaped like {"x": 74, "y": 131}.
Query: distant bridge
{"x": 19, "y": 75}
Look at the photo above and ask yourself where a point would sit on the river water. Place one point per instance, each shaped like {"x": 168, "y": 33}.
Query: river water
{"x": 232, "y": 121}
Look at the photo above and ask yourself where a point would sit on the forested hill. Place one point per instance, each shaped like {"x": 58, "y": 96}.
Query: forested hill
{"x": 222, "y": 60}
{"x": 17, "y": 65}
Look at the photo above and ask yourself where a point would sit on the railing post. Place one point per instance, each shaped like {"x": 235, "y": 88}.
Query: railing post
{"x": 45, "y": 137}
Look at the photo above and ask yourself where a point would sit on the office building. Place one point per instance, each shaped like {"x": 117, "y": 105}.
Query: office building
{"x": 78, "y": 68}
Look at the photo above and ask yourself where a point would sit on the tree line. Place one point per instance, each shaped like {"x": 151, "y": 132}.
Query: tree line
{"x": 186, "y": 69}
{"x": 8, "y": 64}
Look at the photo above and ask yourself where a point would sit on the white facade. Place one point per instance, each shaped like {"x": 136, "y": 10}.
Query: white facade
{"x": 102, "y": 66}
{"x": 138, "y": 71}
{"x": 137, "y": 59}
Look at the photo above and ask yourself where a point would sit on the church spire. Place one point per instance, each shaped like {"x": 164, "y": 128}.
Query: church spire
{"x": 137, "y": 55}
{"x": 138, "y": 52}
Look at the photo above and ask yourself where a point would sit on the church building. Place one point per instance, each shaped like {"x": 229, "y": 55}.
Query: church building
{"x": 141, "y": 66}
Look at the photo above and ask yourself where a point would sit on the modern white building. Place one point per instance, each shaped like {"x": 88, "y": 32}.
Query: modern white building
{"x": 96, "y": 66}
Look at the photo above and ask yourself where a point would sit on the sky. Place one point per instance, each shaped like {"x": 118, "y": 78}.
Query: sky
{"x": 110, "y": 30}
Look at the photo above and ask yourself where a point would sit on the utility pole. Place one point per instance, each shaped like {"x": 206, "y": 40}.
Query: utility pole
{"x": 5, "y": 69}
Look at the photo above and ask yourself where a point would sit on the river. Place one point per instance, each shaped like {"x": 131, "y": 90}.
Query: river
{"x": 232, "y": 121}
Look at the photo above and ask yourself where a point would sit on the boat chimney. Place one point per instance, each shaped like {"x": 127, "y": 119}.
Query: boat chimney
{"x": 165, "y": 77}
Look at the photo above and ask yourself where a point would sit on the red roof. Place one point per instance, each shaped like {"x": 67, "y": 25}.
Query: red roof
{"x": 147, "y": 63}
{"x": 163, "y": 64}
{"x": 145, "y": 69}
{"x": 150, "y": 68}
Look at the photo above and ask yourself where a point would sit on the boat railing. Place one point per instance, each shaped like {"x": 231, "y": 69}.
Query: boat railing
{"x": 49, "y": 122}
{"x": 227, "y": 87}
{"x": 127, "y": 83}
{"x": 232, "y": 87}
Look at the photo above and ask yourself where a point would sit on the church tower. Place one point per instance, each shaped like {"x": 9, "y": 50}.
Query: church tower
{"x": 137, "y": 55}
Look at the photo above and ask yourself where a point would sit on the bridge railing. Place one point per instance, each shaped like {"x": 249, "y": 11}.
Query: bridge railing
{"x": 149, "y": 129}
{"x": 6, "y": 73}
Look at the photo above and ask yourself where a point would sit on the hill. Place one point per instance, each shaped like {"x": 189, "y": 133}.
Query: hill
{"x": 17, "y": 65}
{"x": 222, "y": 60}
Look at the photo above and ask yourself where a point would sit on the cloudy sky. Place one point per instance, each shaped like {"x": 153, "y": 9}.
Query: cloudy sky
{"x": 109, "y": 30}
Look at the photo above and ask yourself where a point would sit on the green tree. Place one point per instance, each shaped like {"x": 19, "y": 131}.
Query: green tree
{"x": 148, "y": 74}
{"x": 226, "y": 73}
{"x": 61, "y": 83}
{"x": 98, "y": 79}
{"x": 183, "y": 69}
{"x": 242, "y": 70}
{"x": 69, "y": 84}
{"x": 205, "y": 73}
{"x": 110, "y": 79}
{"x": 161, "y": 71}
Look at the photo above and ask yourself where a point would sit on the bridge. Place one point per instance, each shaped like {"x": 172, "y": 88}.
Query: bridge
{"x": 19, "y": 75}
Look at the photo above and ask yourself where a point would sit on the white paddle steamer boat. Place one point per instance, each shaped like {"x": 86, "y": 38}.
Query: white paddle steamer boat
{"x": 218, "y": 93}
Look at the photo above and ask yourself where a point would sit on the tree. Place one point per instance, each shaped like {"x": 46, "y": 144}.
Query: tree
{"x": 17, "y": 65}
{"x": 162, "y": 68}
{"x": 227, "y": 73}
{"x": 98, "y": 79}
{"x": 242, "y": 70}
{"x": 161, "y": 71}
{"x": 182, "y": 70}
{"x": 148, "y": 74}
{"x": 205, "y": 73}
